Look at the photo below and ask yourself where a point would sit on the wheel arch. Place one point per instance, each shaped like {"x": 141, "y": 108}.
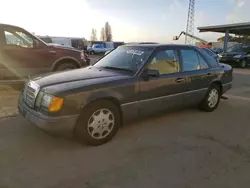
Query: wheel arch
{"x": 65, "y": 59}
{"x": 218, "y": 82}
{"x": 106, "y": 97}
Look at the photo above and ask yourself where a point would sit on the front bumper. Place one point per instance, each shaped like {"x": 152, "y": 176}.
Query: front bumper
{"x": 61, "y": 126}
{"x": 226, "y": 87}
{"x": 230, "y": 61}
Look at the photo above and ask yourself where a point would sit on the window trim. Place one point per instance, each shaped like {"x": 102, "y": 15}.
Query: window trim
{"x": 156, "y": 51}
{"x": 11, "y": 31}
{"x": 200, "y": 56}
{"x": 182, "y": 59}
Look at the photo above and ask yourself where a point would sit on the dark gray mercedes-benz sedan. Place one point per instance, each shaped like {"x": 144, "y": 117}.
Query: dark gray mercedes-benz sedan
{"x": 131, "y": 81}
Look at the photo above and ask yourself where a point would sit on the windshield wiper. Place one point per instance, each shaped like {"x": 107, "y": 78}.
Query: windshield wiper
{"x": 118, "y": 68}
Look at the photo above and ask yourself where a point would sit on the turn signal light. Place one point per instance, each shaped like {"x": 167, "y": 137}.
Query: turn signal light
{"x": 55, "y": 104}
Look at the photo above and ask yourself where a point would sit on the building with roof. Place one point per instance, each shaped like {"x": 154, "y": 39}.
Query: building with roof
{"x": 237, "y": 29}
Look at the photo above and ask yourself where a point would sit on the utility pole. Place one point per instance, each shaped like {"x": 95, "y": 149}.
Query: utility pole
{"x": 190, "y": 22}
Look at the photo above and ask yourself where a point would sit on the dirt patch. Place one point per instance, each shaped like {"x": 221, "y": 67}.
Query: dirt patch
{"x": 8, "y": 101}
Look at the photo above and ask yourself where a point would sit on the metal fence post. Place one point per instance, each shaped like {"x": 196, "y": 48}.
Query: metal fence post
{"x": 226, "y": 39}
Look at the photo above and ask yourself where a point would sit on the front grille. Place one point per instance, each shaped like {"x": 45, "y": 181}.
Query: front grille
{"x": 30, "y": 92}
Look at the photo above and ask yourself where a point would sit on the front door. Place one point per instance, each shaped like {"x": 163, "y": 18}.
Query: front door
{"x": 198, "y": 75}
{"x": 23, "y": 54}
{"x": 166, "y": 90}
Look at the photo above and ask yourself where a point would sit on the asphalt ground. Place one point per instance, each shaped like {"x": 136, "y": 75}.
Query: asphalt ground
{"x": 183, "y": 149}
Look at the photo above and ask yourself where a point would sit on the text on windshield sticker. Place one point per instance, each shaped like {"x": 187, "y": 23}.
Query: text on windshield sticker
{"x": 136, "y": 52}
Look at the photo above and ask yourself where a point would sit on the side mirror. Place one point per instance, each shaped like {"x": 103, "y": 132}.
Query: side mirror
{"x": 150, "y": 73}
{"x": 153, "y": 73}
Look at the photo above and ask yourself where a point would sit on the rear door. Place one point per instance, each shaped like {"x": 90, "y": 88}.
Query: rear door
{"x": 167, "y": 90}
{"x": 198, "y": 75}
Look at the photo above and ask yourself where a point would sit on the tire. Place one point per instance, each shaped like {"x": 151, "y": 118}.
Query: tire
{"x": 92, "y": 52}
{"x": 85, "y": 133}
{"x": 243, "y": 63}
{"x": 208, "y": 105}
{"x": 66, "y": 66}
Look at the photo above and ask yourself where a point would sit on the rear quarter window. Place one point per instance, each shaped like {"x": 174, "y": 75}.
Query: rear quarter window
{"x": 209, "y": 59}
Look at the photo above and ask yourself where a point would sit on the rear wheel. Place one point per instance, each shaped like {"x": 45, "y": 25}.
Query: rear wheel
{"x": 212, "y": 98}
{"x": 66, "y": 66}
{"x": 98, "y": 123}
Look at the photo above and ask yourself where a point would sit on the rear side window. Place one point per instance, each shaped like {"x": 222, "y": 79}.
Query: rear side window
{"x": 208, "y": 52}
{"x": 190, "y": 60}
{"x": 203, "y": 63}
{"x": 209, "y": 59}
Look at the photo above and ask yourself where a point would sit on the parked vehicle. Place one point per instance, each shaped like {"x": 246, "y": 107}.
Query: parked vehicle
{"x": 131, "y": 81}
{"x": 103, "y": 47}
{"x": 77, "y": 43}
{"x": 211, "y": 53}
{"x": 217, "y": 50}
{"x": 142, "y": 43}
{"x": 24, "y": 54}
{"x": 237, "y": 55}
{"x": 117, "y": 44}
{"x": 100, "y": 48}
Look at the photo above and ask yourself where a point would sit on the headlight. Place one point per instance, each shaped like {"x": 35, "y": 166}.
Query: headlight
{"x": 82, "y": 56}
{"x": 49, "y": 102}
{"x": 219, "y": 55}
{"x": 237, "y": 56}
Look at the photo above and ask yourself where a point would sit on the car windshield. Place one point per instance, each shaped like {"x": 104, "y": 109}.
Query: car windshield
{"x": 235, "y": 48}
{"x": 125, "y": 58}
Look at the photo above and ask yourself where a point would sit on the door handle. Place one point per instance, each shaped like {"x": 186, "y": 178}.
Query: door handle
{"x": 180, "y": 80}
{"x": 209, "y": 74}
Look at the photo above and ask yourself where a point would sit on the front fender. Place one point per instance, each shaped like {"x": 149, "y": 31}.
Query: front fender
{"x": 91, "y": 97}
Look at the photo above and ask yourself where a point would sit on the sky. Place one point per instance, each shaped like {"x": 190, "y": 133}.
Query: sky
{"x": 131, "y": 20}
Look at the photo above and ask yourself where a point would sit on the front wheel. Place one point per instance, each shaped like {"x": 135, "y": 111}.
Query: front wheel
{"x": 66, "y": 66}
{"x": 243, "y": 63}
{"x": 98, "y": 123}
{"x": 212, "y": 99}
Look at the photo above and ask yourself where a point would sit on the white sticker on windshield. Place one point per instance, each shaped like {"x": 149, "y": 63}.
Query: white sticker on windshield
{"x": 136, "y": 52}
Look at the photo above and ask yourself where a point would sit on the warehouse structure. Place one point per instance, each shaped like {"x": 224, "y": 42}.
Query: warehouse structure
{"x": 237, "y": 29}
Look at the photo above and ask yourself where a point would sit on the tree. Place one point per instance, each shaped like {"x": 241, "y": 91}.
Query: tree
{"x": 93, "y": 35}
{"x": 102, "y": 35}
{"x": 239, "y": 39}
{"x": 221, "y": 39}
{"x": 108, "y": 32}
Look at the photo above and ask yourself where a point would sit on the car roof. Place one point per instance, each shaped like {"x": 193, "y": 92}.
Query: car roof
{"x": 158, "y": 45}
{"x": 8, "y": 25}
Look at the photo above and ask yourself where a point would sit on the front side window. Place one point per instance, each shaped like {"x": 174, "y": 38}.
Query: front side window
{"x": 166, "y": 62}
{"x": 190, "y": 60}
{"x": 127, "y": 58}
{"x": 235, "y": 48}
{"x": 18, "y": 38}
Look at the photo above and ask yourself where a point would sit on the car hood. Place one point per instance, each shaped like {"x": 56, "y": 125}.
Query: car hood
{"x": 61, "y": 47}
{"x": 87, "y": 73}
{"x": 231, "y": 54}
